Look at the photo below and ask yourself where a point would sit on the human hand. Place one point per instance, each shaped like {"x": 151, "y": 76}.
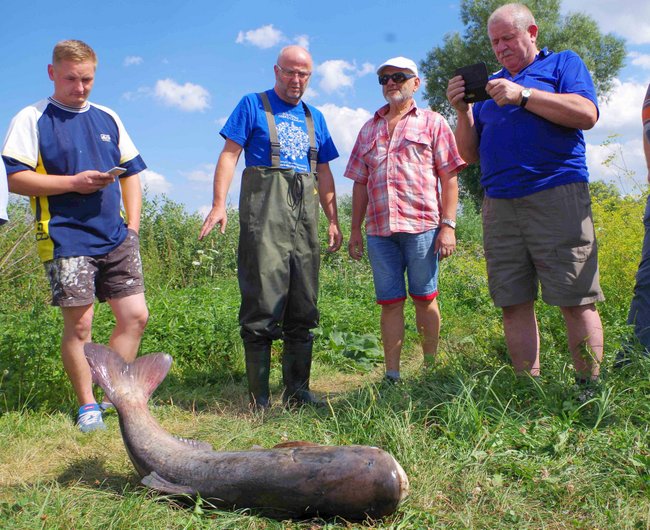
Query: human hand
{"x": 217, "y": 215}
{"x": 91, "y": 181}
{"x": 335, "y": 238}
{"x": 355, "y": 245}
{"x": 445, "y": 242}
{"x": 504, "y": 92}
{"x": 456, "y": 93}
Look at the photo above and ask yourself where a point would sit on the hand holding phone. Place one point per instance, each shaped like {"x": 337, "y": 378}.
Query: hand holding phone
{"x": 116, "y": 171}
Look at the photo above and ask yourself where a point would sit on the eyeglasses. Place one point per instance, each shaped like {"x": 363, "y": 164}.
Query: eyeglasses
{"x": 397, "y": 77}
{"x": 290, "y": 73}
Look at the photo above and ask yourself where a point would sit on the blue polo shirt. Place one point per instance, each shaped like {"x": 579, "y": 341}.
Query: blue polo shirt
{"x": 522, "y": 153}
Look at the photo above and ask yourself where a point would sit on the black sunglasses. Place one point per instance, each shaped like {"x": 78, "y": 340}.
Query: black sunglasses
{"x": 397, "y": 77}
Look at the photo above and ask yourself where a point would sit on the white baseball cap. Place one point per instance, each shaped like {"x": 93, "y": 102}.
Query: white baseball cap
{"x": 399, "y": 62}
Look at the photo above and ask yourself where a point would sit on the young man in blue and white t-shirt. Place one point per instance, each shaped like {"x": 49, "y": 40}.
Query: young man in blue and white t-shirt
{"x": 59, "y": 152}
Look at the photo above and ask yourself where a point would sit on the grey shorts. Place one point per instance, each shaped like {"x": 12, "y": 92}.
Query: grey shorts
{"x": 547, "y": 237}
{"x": 75, "y": 281}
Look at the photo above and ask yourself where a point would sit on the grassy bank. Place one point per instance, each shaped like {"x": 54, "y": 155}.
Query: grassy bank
{"x": 482, "y": 448}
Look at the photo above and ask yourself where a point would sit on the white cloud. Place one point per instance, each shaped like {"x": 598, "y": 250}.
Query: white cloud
{"x": 309, "y": 94}
{"x": 155, "y": 182}
{"x": 338, "y": 75}
{"x": 263, "y": 37}
{"x": 621, "y": 114}
{"x": 302, "y": 40}
{"x": 203, "y": 173}
{"x": 188, "y": 97}
{"x": 344, "y": 124}
{"x": 134, "y": 95}
{"x": 366, "y": 68}
{"x": 133, "y": 60}
{"x": 642, "y": 60}
{"x": 620, "y": 162}
{"x": 204, "y": 210}
{"x": 630, "y": 19}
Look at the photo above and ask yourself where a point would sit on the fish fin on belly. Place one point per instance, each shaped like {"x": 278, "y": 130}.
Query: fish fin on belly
{"x": 297, "y": 443}
{"x": 154, "y": 481}
{"x": 196, "y": 444}
{"x": 111, "y": 372}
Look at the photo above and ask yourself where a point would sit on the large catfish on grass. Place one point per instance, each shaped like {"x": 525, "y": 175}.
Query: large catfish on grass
{"x": 353, "y": 482}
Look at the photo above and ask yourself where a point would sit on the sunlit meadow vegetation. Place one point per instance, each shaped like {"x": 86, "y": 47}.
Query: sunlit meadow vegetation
{"x": 482, "y": 448}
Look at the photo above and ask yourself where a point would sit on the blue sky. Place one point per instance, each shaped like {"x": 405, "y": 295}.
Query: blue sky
{"x": 175, "y": 70}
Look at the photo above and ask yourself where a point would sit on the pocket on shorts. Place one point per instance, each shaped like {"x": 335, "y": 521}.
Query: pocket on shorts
{"x": 576, "y": 254}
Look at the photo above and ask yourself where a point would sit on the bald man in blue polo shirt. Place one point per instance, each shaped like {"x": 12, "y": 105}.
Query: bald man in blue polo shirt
{"x": 537, "y": 221}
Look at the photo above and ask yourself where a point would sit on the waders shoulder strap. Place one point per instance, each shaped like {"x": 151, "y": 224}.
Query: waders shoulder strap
{"x": 273, "y": 133}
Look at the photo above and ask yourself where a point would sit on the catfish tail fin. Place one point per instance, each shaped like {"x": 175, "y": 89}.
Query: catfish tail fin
{"x": 119, "y": 378}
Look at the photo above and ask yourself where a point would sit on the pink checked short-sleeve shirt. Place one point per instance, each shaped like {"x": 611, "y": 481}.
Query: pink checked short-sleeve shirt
{"x": 402, "y": 172}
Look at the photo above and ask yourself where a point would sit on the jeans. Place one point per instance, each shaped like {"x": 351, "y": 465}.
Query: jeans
{"x": 639, "y": 315}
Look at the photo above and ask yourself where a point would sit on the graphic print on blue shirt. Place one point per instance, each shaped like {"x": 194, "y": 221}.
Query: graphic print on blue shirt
{"x": 247, "y": 126}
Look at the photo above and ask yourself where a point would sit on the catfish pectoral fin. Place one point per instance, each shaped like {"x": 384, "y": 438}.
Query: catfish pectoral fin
{"x": 154, "y": 481}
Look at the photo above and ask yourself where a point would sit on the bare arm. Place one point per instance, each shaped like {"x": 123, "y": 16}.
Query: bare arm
{"x": 359, "y": 206}
{"x": 34, "y": 184}
{"x": 446, "y": 240}
{"x": 568, "y": 110}
{"x": 132, "y": 199}
{"x": 327, "y": 195}
{"x": 223, "y": 175}
{"x": 646, "y": 150}
{"x": 465, "y": 133}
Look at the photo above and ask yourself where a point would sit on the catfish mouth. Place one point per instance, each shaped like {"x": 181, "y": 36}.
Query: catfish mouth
{"x": 403, "y": 482}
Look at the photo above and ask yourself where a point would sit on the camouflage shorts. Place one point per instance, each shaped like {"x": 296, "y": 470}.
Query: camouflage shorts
{"x": 75, "y": 281}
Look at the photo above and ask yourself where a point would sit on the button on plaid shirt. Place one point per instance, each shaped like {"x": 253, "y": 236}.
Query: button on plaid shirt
{"x": 402, "y": 172}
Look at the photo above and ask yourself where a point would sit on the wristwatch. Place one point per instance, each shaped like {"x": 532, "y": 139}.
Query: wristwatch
{"x": 525, "y": 94}
{"x": 449, "y": 222}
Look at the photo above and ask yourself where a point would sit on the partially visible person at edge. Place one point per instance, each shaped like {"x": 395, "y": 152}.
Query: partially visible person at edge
{"x": 287, "y": 149}
{"x": 404, "y": 166}
{"x": 4, "y": 195}
{"x": 639, "y": 315}
{"x": 537, "y": 219}
{"x": 58, "y": 151}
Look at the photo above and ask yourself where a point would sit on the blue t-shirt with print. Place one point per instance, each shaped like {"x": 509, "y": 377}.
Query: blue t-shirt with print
{"x": 522, "y": 153}
{"x": 247, "y": 126}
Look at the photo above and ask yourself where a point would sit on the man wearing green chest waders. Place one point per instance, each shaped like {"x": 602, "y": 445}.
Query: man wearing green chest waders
{"x": 287, "y": 149}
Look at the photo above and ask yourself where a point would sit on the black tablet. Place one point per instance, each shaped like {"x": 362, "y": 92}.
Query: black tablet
{"x": 476, "y": 77}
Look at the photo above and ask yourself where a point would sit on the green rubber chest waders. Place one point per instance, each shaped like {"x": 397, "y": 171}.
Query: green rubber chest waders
{"x": 279, "y": 250}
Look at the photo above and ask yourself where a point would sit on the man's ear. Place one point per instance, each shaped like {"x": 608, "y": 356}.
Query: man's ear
{"x": 50, "y": 71}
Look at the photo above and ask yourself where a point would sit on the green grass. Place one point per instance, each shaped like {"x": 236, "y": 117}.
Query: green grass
{"x": 482, "y": 448}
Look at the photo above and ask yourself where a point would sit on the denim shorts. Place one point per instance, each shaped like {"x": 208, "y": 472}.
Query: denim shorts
{"x": 75, "y": 281}
{"x": 392, "y": 255}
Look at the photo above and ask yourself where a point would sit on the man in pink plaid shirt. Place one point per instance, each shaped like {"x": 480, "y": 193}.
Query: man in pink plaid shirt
{"x": 404, "y": 165}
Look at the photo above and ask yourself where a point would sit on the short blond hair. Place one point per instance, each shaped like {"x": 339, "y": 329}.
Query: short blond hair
{"x": 73, "y": 50}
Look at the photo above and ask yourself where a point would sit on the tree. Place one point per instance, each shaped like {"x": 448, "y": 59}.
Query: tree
{"x": 603, "y": 55}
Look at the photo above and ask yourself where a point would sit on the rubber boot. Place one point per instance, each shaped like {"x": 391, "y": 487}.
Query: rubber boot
{"x": 258, "y": 366}
{"x": 296, "y": 367}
